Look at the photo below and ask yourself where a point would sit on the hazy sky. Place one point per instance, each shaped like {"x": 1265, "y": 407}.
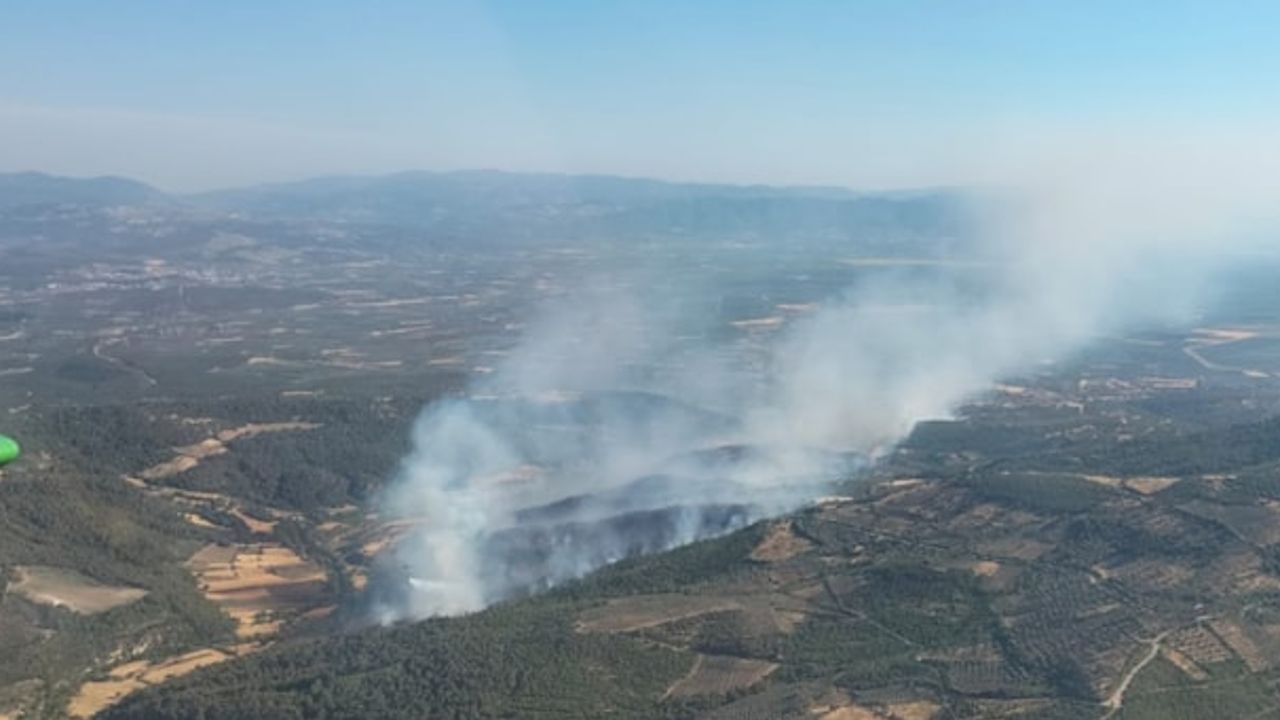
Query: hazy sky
{"x": 872, "y": 93}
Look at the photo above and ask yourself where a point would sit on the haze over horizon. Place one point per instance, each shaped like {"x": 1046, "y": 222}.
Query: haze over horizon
{"x": 874, "y": 96}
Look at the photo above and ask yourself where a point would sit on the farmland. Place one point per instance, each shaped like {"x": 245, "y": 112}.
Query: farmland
{"x": 212, "y": 405}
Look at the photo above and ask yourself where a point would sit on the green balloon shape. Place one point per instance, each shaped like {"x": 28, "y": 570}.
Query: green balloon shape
{"x": 9, "y": 450}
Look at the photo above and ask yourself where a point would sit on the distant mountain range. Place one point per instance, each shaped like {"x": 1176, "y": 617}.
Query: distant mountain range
{"x": 489, "y": 204}
{"x": 33, "y": 188}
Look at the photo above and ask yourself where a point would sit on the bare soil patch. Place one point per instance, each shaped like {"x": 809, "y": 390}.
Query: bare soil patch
{"x": 94, "y": 697}
{"x": 913, "y": 710}
{"x": 1184, "y": 663}
{"x": 781, "y": 543}
{"x": 985, "y": 568}
{"x": 256, "y": 526}
{"x": 198, "y": 521}
{"x": 850, "y": 712}
{"x": 841, "y": 707}
{"x": 1150, "y": 485}
{"x": 67, "y": 588}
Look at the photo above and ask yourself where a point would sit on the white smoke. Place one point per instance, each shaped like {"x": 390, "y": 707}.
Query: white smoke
{"x": 1089, "y": 247}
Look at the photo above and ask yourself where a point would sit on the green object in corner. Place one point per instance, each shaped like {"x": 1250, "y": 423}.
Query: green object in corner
{"x": 9, "y": 450}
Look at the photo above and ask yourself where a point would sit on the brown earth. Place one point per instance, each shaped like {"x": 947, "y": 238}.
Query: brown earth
{"x": 781, "y": 543}
{"x": 94, "y": 696}
{"x": 257, "y": 583}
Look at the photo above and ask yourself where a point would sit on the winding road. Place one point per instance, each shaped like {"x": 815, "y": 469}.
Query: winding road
{"x": 1116, "y": 700}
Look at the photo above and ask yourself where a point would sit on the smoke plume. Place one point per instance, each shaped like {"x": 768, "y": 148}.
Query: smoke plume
{"x": 608, "y": 432}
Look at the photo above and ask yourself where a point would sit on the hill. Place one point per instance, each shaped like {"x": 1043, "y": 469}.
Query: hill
{"x": 941, "y": 598}
{"x": 33, "y": 188}
{"x": 485, "y": 203}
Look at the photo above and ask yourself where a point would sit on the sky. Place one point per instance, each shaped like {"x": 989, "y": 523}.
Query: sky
{"x": 869, "y": 94}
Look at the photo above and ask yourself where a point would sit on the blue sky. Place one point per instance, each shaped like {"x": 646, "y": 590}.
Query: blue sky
{"x": 872, "y": 94}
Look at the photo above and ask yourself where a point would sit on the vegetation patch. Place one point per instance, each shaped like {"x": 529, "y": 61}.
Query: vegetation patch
{"x": 720, "y": 675}
{"x": 643, "y": 611}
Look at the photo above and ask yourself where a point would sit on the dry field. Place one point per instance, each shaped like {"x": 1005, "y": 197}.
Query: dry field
{"x": 70, "y": 589}
{"x": 258, "y": 584}
{"x": 914, "y": 710}
{"x": 189, "y": 456}
{"x": 133, "y": 676}
{"x": 842, "y": 707}
{"x": 985, "y": 568}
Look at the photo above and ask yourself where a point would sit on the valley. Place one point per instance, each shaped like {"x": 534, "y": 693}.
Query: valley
{"x": 214, "y": 405}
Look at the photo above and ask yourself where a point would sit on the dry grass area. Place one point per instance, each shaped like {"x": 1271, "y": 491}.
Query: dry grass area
{"x": 1143, "y": 485}
{"x": 720, "y": 675}
{"x": 67, "y": 588}
{"x": 1185, "y": 664}
{"x": 169, "y": 468}
{"x": 642, "y": 611}
{"x": 181, "y": 665}
{"x": 781, "y": 543}
{"x": 189, "y": 456}
{"x": 256, "y": 526}
{"x": 1150, "y": 485}
{"x": 1108, "y": 480}
{"x": 198, "y": 521}
{"x": 258, "y": 584}
{"x": 95, "y": 696}
{"x": 850, "y": 712}
{"x": 839, "y": 706}
{"x": 202, "y": 449}
{"x": 913, "y": 710}
{"x": 255, "y": 429}
{"x": 985, "y": 568}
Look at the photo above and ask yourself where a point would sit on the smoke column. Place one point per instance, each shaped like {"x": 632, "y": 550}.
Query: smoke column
{"x": 1082, "y": 248}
